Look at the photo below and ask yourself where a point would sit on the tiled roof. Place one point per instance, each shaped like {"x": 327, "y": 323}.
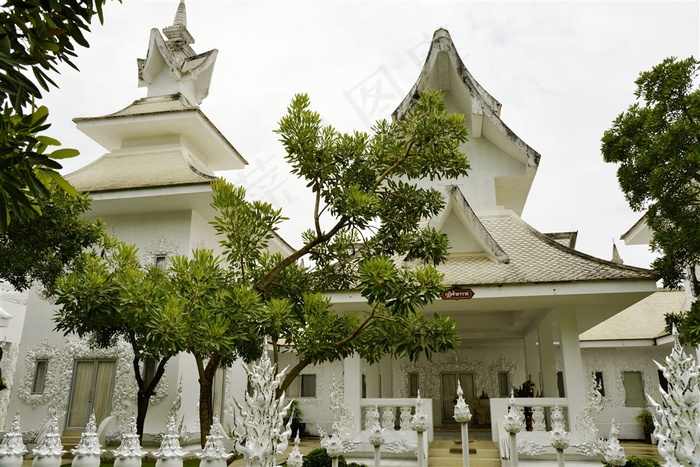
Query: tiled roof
{"x": 647, "y": 316}
{"x": 533, "y": 258}
{"x": 115, "y": 171}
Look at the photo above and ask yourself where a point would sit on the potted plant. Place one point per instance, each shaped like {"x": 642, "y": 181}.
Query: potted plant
{"x": 296, "y": 414}
{"x": 646, "y": 420}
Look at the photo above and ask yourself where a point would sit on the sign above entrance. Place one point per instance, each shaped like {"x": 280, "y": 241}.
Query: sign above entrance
{"x": 457, "y": 293}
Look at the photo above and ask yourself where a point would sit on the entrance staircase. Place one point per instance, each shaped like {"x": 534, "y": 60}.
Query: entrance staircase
{"x": 448, "y": 453}
{"x": 70, "y": 439}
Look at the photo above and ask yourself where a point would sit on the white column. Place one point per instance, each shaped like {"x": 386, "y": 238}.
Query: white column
{"x": 352, "y": 380}
{"x": 532, "y": 359}
{"x": 574, "y": 376}
{"x": 547, "y": 367}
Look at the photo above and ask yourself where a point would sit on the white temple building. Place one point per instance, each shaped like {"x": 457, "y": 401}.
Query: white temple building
{"x": 526, "y": 304}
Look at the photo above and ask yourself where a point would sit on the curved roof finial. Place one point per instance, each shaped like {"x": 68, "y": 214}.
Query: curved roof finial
{"x": 181, "y": 15}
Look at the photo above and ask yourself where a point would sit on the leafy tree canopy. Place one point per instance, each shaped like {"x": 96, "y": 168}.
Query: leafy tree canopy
{"x": 42, "y": 248}
{"x": 108, "y": 295}
{"x": 656, "y": 144}
{"x": 35, "y": 37}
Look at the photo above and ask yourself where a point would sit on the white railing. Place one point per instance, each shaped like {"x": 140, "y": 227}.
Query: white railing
{"x": 499, "y": 409}
{"x": 395, "y": 417}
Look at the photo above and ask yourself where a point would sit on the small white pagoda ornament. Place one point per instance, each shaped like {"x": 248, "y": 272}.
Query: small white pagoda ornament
{"x": 462, "y": 416}
{"x": 214, "y": 453}
{"x": 129, "y": 453}
{"x": 513, "y": 425}
{"x": 12, "y": 449}
{"x": 334, "y": 447}
{"x": 260, "y": 431}
{"x": 614, "y": 453}
{"x": 558, "y": 436}
{"x": 50, "y": 450}
{"x": 170, "y": 453}
{"x": 295, "y": 458}
{"x": 88, "y": 452}
{"x": 420, "y": 424}
{"x": 375, "y": 437}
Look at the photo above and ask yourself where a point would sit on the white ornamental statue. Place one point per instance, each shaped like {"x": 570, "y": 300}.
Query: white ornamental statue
{"x": 12, "y": 449}
{"x": 591, "y": 443}
{"x": 170, "y": 453}
{"x": 514, "y": 423}
{"x": 129, "y": 453}
{"x": 334, "y": 447}
{"x": 214, "y": 453}
{"x": 677, "y": 416}
{"x": 614, "y": 453}
{"x": 260, "y": 431}
{"x": 295, "y": 458}
{"x": 463, "y": 415}
{"x": 420, "y": 424}
{"x": 50, "y": 450}
{"x": 559, "y": 437}
{"x": 88, "y": 451}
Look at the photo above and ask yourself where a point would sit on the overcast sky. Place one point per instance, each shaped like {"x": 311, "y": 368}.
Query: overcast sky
{"x": 561, "y": 70}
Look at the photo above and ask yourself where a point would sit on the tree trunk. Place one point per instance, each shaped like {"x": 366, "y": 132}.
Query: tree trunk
{"x": 143, "y": 397}
{"x": 206, "y": 383}
{"x": 289, "y": 377}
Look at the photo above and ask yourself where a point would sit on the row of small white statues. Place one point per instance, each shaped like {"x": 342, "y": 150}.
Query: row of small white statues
{"x": 261, "y": 434}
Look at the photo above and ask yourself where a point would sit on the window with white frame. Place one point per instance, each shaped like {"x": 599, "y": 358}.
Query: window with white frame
{"x": 413, "y": 385}
{"x": 39, "y": 382}
{"x": 599, "y": 382}
{"x": 503, "y": 384}
{"x": 161, "y": 261}
{"x": 302, "y": 386}
{"x": 634, "y": 388}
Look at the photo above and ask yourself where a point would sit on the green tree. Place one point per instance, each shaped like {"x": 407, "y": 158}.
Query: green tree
{"x": 367, "y": 215}
{"x": 656, "y": 144}
{"x": 35, "y": 37}
{"x": 43, "y": 248}
{"x": 109, "y": 295}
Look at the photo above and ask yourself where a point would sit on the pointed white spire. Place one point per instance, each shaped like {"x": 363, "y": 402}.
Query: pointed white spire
{"x": 616, "y": 258}
{"x": 171, "y": 65}
{"x": 181, "y": 15}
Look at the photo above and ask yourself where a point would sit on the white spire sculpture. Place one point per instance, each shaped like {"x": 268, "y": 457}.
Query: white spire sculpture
{"x": 214, "y": 453}
{"x": 677, "y": 418}
{"x": 50, "y": 450}
{"x": 559, "y": 437}
{"x": 260, "y": 431}
{"x": 463, "y": 415}
{"x": 88, "y": 451}
{"x": 420, "y": 424}
{"x": 295, "y": 458}
{"x": 129, "y": 453}
{"x": 171, "y": 65}
{"x": 170, "y": 453}
{"x": 514, "y": 423}
{"x": 614, "y": 453}
{"x": 591, "y": 444}
{"x": 12, "y": 449}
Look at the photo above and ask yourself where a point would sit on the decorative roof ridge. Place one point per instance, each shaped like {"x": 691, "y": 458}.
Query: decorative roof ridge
{"x": 491, "y": 107}
{"x": 176, "y": 98}
{"x": 456, "y": 198}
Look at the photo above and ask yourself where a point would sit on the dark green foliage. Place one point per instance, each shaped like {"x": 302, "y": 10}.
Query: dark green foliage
{"x": 35, "y": 37}
{"x": 656, "y": 145}
{"x": 40, "y": 249}
{"x": 634, "y": 461}
{"x": 320, "y": 458}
